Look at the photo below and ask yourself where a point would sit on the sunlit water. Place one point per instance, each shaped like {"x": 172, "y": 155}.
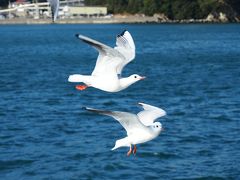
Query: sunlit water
{"x": 193, "y": 72}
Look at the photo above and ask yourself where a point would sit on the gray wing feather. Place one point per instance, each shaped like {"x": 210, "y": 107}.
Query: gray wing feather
{"x": 129, "y": 121}
{"x": 150, "y": 114}
{"x": 126, "y": 46}
{"x": 108, "y": 59}
{"x": 102, "y": 48}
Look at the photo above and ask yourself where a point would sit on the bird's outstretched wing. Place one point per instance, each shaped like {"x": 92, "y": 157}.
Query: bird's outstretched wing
{"x": 54, "y": 4}
{"x": 150, "y": 114}
{"x": 108, "y": 59}
{"x": 125, "y": 45}
{"x": 129, "y": 121}
{"x": 112, "y": 60}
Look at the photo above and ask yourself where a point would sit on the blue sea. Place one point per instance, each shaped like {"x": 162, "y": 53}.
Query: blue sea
{"x": 193, "y": 73}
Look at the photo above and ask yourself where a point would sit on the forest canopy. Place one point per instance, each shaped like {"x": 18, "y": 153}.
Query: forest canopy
{"x": 174, "y": 9}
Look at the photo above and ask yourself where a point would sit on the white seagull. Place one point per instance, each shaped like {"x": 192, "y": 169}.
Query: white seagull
{"x": 106, "y": 75}
{"x": 140, "y": 128}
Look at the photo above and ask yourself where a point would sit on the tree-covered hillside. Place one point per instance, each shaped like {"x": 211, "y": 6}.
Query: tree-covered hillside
{"x": 174, "y": 9}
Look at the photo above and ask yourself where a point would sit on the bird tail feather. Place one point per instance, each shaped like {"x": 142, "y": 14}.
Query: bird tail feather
{"x": 121, "y": 143}
{"x": 77, "y": 78}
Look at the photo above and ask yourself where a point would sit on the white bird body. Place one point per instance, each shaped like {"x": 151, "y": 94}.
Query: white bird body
{"x": 138, "y": 137}
{"x": 137, "y": 131}
{"x": 104, "y": 83}
{"x": 109, "y": 65}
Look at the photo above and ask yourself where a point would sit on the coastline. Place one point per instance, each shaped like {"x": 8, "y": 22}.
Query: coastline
{"x": 115, "y": 19}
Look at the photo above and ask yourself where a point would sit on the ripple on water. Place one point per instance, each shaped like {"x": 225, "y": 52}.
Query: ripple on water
{"x": 12, "y": 164}
{"x": 159, "y": 155}
{"x": 202, "y": 178}
{"x": 44, "y": 133}
{"x": 79, "y": 156}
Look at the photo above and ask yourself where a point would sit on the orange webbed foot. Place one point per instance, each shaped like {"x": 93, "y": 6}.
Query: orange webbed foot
{"x": 130, "y": 151}
{"x": 135, "y": 150}
{"x": 81, "y": 87}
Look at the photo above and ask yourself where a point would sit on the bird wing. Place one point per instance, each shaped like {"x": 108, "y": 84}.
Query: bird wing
{"x": 54, "y": 4}
{"x": 129, "y": 121}
{"x": 125, "y": 45}
{"x": 108, "y": 58}
{"x": 112, "y": 60}
{"x": 150, "y": 114}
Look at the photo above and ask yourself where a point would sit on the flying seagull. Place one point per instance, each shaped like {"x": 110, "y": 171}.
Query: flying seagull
{"x": 140, "y": 128}
{"x": 106, "y": 75}
{"x": 54, "y": 4}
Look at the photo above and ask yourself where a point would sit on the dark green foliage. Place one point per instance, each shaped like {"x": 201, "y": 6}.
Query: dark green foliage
{"x": 174, "y": 9}
{"x": 150, "y": 7}
{"x": 235, "y": 4}
{"x": 185, "y": 9}
{"x": 95, "y": 2}
{"x": 135, "y": 6}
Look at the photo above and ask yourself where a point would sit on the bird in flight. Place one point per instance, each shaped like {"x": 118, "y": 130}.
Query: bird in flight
{"x": 106, "y": 75}
{"x": 140, "y": 127}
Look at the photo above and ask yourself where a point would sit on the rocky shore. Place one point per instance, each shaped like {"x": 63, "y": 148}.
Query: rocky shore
{"x": 124, "y": 18}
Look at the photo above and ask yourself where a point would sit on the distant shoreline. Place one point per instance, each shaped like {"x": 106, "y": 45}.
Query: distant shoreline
{"x": 111, "y": 20}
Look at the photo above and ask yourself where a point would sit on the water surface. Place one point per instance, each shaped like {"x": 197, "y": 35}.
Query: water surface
{"x": 192, "y": 72}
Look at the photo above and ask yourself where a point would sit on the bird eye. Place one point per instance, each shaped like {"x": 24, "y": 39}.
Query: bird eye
{"x": 135, "y": 76}
{"x": 157, "y": 126}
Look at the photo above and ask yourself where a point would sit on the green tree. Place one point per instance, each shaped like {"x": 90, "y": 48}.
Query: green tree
{"x": 95, "y": 2}
{"x": 150, "y": 7}
{"x": 135, "y": 6}
{"x": 235, "y": 4}
{"x": 166, "y": 8}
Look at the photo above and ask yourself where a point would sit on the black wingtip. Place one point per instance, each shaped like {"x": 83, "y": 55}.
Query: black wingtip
{"x": 140, "y": 104}
{"x": 77, "y": 35}
{"x": 84, "y": 108}
{"x": 122, "y": 33}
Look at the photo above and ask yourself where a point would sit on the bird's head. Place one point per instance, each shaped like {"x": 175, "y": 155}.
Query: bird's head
{"x": 136, "y": 77}
{"x": 125, "y": 82}
{"x": 157, "y": 127}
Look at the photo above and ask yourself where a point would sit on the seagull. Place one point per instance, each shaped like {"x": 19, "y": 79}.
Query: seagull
{"x": 54, "y": 4}
{"x": 140, "y": 127}
{"x": 106, "y": 75}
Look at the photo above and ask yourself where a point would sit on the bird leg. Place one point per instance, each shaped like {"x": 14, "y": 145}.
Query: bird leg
{"x": 81, "y": 87}
{"x": 135, "y": 149}
{"x": 130, "y": 151}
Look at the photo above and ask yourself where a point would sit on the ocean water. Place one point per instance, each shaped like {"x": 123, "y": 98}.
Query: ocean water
{"x": 193, "y": 72}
